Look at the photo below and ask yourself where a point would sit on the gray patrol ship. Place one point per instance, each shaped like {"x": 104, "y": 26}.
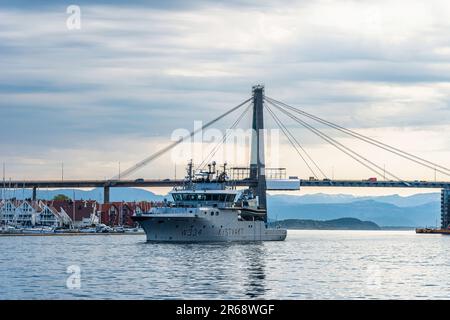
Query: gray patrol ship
{"x": 206, "y": 208}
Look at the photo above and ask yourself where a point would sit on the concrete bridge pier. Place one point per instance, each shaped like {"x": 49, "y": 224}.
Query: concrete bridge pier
{"x": 34, "y": 194}
{"x": 105, "y": 194}
{"x": 445, "y": 208}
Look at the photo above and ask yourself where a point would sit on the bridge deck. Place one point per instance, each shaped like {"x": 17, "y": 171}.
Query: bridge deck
{"x": 172, "y": 182}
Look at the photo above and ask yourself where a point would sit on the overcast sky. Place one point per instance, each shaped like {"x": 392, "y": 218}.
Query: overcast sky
{"x": 117, "y": 88}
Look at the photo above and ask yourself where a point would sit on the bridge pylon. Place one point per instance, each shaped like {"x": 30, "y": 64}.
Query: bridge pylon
{"x": 257, "y": 159}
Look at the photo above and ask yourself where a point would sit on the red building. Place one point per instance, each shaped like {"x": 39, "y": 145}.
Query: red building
{"x": 81, "y": 212}
{"x": 119, "y": 213}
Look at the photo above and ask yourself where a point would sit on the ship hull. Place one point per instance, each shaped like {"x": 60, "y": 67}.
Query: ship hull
{"x": 204, "y": 229}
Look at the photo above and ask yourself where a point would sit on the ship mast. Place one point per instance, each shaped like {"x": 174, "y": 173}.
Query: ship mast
{"x": 257, "y": 161}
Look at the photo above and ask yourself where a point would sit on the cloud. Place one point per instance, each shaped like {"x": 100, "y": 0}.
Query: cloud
{"x": 135, "y": 72}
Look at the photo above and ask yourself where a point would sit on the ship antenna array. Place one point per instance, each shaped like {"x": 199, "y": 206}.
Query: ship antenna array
{"x": 189, "y": 171}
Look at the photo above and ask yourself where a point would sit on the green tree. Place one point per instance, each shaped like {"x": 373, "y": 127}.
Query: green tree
{"x": 61, "y": 197}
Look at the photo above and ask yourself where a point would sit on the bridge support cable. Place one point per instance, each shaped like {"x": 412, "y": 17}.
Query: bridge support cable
{"x": 291, "y": 139}
{"x": 174, "y": 144}
{"x": 353, "y": 154}
{"x": 214, "y": 150}
{"x": 379, "y": 144}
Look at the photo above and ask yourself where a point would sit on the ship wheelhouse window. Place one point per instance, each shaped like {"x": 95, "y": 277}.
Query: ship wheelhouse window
{"x": 230, "y": 197}
{"x": 189, "y": 197}
{"x": 212, "y": 197}
{"x": 220, "y": 197}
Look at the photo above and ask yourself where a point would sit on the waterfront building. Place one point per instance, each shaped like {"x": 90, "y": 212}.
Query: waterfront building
{"x": 136, "y": 208}
{"x": 48, "y": 216}
{"x": 120, "y": 213}
{"x": 8, "y": 211}
{"x": 68, "y": 213}
{"x": 79, "y": 212}
{"x": 107, "y": 213}
{"x": 117, "y": 213}
{"x": 25, "y": 213}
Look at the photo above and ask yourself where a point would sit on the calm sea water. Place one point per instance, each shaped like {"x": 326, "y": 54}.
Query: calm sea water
{"x": 308, "y": 265}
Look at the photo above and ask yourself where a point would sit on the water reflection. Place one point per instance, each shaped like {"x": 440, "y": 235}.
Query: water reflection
{"x": 255, "y": 286}
{"x": 308, "y": 265}
{"x": 209, "y": 269}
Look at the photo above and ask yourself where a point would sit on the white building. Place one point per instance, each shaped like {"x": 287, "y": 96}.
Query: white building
{"x": 8, "y": 212}
{"x": 48, "y": 216}
{"x": 31, "y": 213}
{"x": 26, "y": 213}
{"x": 48, "y": 213}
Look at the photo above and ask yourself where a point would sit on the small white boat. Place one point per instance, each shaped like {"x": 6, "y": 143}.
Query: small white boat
{"x": 88, "y": 230}
{"x": 10, "y": 229}
{"x": 119, "y": 229}
{"x": 134, "y": 230}
{"x": 103, "y": 228}
{"x": 38, "y": 230}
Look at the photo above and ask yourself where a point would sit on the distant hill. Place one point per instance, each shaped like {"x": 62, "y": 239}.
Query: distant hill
{"x": 383, "y": 214}
{"x": 322, "y": 198}
{"x": 336, "y": 224}
{"x": 116, "y": 194}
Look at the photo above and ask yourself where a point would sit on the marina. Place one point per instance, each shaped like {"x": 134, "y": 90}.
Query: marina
{"x": 99, "y": 229}
{"x": 19, "y": 234}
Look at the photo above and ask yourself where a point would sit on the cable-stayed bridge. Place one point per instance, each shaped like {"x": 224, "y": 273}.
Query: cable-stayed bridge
{"x": 256, "y": 177}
